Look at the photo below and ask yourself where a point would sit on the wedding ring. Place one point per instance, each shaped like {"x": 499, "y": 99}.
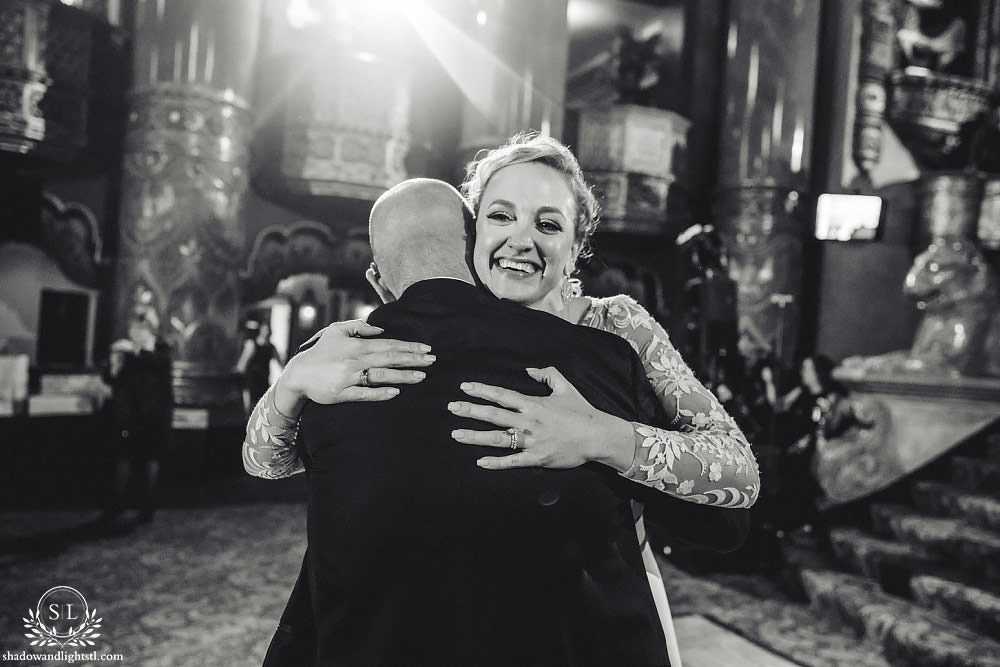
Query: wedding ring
{"x": 365, "y": 382}
{"x": 513, "y": 432}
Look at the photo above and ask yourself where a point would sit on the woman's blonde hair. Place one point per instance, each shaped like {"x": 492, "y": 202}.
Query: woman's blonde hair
{"x": 533, "y": 147}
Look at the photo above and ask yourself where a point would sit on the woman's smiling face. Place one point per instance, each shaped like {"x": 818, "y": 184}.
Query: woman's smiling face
{"x": 525, "y": 233}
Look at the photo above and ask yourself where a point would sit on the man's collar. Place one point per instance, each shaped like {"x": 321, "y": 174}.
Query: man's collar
{"x": 461, "y": 280}
{"x": 451, "y": 293}
{"x": 438, "y": 284}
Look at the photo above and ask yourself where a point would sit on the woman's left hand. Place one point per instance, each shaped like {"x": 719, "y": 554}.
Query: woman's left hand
{"x": 561, "y": 430}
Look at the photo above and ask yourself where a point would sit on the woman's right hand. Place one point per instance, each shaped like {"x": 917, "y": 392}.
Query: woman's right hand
{"x": 330, "y": 370}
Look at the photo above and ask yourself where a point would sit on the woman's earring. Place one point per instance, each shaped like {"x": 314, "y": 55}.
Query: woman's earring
{"x": 571, "y": 287}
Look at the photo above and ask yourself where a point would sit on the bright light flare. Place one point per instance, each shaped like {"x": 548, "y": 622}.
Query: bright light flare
{"x": 487, "y": 82}
{"x": 479, "y": 73}
{"x": 307, "y": 315}
{"x": 301, "y": 14}
{"x": 588, "y": 14}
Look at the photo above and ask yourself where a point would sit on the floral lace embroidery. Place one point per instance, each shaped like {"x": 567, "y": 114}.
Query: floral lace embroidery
{"x": 705, "y": 458}
{"x": 268, "y": 448}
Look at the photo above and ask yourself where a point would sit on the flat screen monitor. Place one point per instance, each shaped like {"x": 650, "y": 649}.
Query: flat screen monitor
{"x": 845, "y": 217}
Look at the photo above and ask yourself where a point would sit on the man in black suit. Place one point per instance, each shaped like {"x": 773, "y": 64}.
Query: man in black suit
{"x": 418, "y": 556}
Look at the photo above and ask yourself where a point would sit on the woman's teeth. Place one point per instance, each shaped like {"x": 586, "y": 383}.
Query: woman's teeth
{"x": 512, "y": 264}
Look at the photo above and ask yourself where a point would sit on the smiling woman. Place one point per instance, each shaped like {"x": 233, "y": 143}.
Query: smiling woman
{"x": 535, "y": 215}
{"x": 532, "y": 206}
{"x": 525, "y": 234}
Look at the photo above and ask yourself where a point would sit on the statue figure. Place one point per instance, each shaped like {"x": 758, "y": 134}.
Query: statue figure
{"x": 635, "y": 66}
{"x": 955, "y": 288}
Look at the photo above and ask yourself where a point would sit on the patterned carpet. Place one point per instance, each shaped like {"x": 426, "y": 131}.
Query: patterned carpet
{"x": 764, "y": 616}
{"x": 204, "y": 586}
{"x": 195, "y": 587}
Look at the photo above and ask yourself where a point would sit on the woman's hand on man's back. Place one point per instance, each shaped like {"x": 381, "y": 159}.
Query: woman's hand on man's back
{"x": 331, "y": 369}
{"x": 561, "y": 430}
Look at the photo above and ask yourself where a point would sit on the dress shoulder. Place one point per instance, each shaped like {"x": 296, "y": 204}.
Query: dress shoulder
{"x": 624, "y": 316}
{"x": 605, "y": 304}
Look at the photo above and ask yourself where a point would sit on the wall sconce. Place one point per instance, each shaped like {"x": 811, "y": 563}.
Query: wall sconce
{"x": 307, "y": 311}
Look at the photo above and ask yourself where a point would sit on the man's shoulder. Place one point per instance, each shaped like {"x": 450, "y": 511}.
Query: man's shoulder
{"x": 481, "y": 310}
{"x": 580, "y": 336}
{"x": 430, "y": 295}
{"x": 602, "y": 337}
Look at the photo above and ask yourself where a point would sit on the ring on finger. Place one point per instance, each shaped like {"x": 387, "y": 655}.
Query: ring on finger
{"x": 514, "y": 438}
{"x": 365, "y": 381}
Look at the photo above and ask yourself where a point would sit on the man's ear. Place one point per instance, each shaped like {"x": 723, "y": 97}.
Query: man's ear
{"x": 375, "y": 280}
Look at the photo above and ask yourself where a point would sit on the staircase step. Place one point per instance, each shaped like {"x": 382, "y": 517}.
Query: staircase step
{"x": 890, "y": 563}
{"x": 885, "y": 516}
{"x": 972, "y": 607}
{"x": 976, "y": 475}
{"x": 929, "y": 641}
{"x": 854, "y": 609}
{"x": 946, "y": 500}
{"x": 788, "y": 629}
{"x": 905, "y": 633}
{"x": 976, "y": 550}
{"x": 935, "y": 498}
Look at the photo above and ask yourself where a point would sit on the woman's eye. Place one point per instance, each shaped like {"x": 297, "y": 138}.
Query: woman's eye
{"x": 500, "y": 216}
{"x": 549, "y": 226}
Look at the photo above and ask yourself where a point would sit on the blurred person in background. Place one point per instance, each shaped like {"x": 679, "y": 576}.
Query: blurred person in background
{"x": 258, "y": 361}
{"x": 141, "y": 411}
{"x": 800, "y": 417}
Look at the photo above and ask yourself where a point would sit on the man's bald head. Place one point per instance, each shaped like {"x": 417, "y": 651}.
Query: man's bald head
{"x": 417, "y": 231}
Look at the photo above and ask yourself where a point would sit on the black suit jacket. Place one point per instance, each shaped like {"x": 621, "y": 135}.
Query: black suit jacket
{"x": 417, "y": 556}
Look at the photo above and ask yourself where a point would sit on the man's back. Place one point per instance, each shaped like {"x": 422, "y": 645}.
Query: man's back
{"x": 418, "y": 556}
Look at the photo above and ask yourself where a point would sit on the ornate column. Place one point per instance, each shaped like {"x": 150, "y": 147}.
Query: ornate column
{"x": 876, "y": 58}
{"x": 761, "y": 226}
{"x": 764, "y": 165}
{"x": 184, "y": 178}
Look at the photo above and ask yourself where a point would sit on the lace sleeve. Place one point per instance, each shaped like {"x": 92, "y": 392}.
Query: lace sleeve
{"x": 703, "y": 457}
{"x": 268, "y": 447}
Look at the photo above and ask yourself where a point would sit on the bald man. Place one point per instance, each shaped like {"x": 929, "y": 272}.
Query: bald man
{"x": 418, "y": 556}
{"x": 414, "y": 233}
